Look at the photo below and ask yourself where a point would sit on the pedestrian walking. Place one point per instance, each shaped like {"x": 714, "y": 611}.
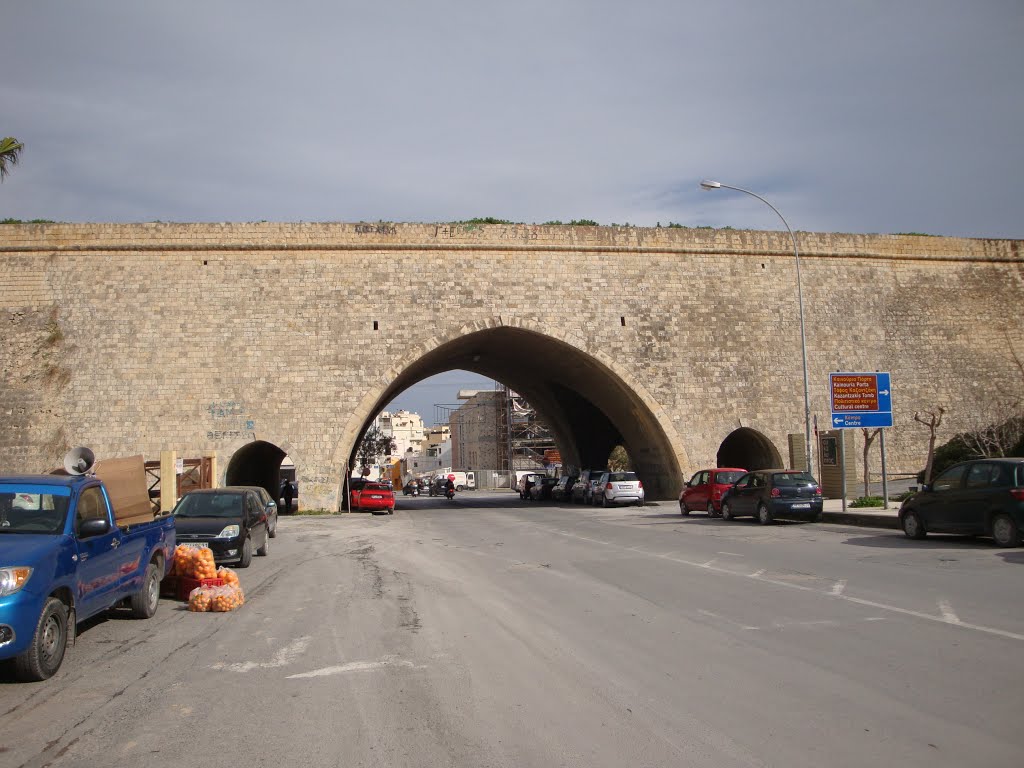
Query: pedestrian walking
{"x": 288, "y": 494}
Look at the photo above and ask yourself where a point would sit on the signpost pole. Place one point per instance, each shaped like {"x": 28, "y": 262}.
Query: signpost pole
{"x": 885, "y": 482}
{"x": 842, "y": 467}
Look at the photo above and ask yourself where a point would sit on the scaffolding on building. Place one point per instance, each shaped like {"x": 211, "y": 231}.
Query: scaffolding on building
{"x": 526, "y": 437}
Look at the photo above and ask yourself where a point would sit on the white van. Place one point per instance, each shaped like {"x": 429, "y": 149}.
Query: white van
{"x": 464, "y": 481}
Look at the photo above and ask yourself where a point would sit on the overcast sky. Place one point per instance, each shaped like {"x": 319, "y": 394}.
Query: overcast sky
{"x": 855, "y": 116}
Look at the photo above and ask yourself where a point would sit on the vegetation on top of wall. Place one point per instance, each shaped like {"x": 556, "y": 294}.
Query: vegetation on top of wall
{"x": 30, "y": 221}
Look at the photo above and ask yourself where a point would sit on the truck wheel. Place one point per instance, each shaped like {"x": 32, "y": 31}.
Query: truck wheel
{"x": 246, "y": 559}
{"x": 265, "y": 549}
{"x": 43, "y": 658}
{"x": 145, "y": 602}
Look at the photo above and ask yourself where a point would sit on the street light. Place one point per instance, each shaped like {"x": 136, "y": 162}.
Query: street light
{"x": 711, "y": 185}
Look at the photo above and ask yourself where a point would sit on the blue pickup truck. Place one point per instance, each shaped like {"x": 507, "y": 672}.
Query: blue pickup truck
{"x": 66, "y": 555}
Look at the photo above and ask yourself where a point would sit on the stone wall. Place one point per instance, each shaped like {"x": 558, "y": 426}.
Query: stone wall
{"x": 199, "y": 337}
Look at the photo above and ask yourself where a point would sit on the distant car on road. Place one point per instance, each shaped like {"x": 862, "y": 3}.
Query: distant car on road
{"x": 767, "y": 494}
{"x": 541, "y": 490}
{"x": 563, "y": 488}
{"x": 618, "y": 488}
{"x": 526, "y": 483}
{"x": 372, "y": 496}
{"x": 984, "y": 497}
{"x": 705, "y": 490}
{"x": 582, "y": 485}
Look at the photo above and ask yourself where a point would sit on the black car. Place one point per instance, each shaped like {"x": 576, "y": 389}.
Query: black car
{"x": 268, "y": 503}
{"x": 767, "y": 494}
{"x": 541, "y": 490}
{"x": 232, "y": 522}
{"x": 984, "y": 497}
{"x": 563, "y": 488}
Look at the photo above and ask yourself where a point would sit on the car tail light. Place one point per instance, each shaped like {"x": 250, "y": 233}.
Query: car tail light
{"x": 639, "y": 484}
{"x": 817, "y": 490}
{"x": 776, "y": 493}
{"x": 1017, "y": 493}
{"x": 609, "y": 487}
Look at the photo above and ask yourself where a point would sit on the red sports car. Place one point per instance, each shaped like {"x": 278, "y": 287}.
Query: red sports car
{"x": 705, "y": 489}
{"x": 374, "y": 497}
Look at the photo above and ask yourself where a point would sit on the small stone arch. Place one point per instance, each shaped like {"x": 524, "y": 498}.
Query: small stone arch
{"x": 748, "y": 449}
{"x": 257, "y": 462}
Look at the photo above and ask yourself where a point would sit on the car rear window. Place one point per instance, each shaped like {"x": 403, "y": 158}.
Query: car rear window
{"x": 728, "y": 477}
{"x": 621, "y": 477}
{"x": 377, "y": 487}
{"x": 792, "y": 478}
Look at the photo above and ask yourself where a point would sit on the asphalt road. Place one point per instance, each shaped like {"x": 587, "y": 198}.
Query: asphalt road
{"x": 493, "y": 632}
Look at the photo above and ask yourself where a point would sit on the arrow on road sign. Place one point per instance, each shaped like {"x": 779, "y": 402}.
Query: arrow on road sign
{"x": 883, "y": 392}
{"x": 838, "y": 420}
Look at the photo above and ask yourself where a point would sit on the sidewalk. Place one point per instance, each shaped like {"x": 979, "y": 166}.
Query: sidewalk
{"x": 871, "y": 517}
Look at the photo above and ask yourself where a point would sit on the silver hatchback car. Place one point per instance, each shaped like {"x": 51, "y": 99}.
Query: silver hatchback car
{"x": 619, "y": 488}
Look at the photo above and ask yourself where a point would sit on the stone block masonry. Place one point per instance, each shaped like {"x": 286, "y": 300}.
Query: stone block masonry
{"x": 137, "y": 338}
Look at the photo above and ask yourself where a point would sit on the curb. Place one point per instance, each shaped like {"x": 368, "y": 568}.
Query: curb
{"x": 863, "y": 520}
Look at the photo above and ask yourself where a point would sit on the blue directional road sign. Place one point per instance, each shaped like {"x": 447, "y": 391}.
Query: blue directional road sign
{"x": 860, "y": 400}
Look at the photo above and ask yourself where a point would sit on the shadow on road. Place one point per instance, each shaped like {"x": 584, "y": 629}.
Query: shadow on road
{"x": 930, "y": 544}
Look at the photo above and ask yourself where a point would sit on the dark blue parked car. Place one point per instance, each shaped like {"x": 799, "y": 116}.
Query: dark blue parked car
{"x": 767, "y": 494}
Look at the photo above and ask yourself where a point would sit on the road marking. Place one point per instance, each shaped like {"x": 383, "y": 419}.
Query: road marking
{"x": 846, "y": 598}
{"x": 948, "y": 614}
{"x": 353, "y": 666}
{"x": 733, "y": 554}
{"x": 839, "y": 587}
{"x": 282, "y": 658}
{"x": 709, "y": 563}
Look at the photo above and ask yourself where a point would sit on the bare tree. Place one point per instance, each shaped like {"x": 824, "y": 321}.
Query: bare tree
{"x": 997, "y": 425}
{"x": 933, "y": 421}
{"x": 869, "y": 438}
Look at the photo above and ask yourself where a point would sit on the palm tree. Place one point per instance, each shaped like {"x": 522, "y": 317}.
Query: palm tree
{"x": 10, "y": 149}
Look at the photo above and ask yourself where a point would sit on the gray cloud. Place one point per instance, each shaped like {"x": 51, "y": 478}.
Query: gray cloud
{"x": 859, "y": 117}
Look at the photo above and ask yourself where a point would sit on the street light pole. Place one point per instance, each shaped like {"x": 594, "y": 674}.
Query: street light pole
{"x": 712, "y": 185}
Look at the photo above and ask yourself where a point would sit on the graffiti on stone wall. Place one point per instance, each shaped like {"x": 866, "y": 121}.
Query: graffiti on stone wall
{"x": 493, "y": 232}
{"x": 376, "y": 229}
{"x": 229, "y": 409}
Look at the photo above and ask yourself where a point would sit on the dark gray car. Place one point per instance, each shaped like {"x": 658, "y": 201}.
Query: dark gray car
{"x": 984, "y": 497}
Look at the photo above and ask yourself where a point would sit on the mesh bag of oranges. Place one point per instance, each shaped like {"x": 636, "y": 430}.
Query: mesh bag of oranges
{"x": 200, "y": 599}
{"x": 228, "y": 575}
{"x": 194, "y": 563}
{"x": 227, "y": 598}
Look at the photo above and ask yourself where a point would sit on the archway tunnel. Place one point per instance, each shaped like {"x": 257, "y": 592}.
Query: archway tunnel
{"x": 256, "y": 463}
{"x": 748, "y": 449}
{"x": 588, "y": 407}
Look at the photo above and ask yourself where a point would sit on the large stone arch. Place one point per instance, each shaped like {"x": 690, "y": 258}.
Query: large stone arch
{"x": 591, "y": 401}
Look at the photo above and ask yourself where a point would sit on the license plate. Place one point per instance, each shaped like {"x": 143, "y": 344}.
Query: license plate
{"x": 801, "y": 506}
{"x": 375, "y": 496}
{"x": 194, "y": 544}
